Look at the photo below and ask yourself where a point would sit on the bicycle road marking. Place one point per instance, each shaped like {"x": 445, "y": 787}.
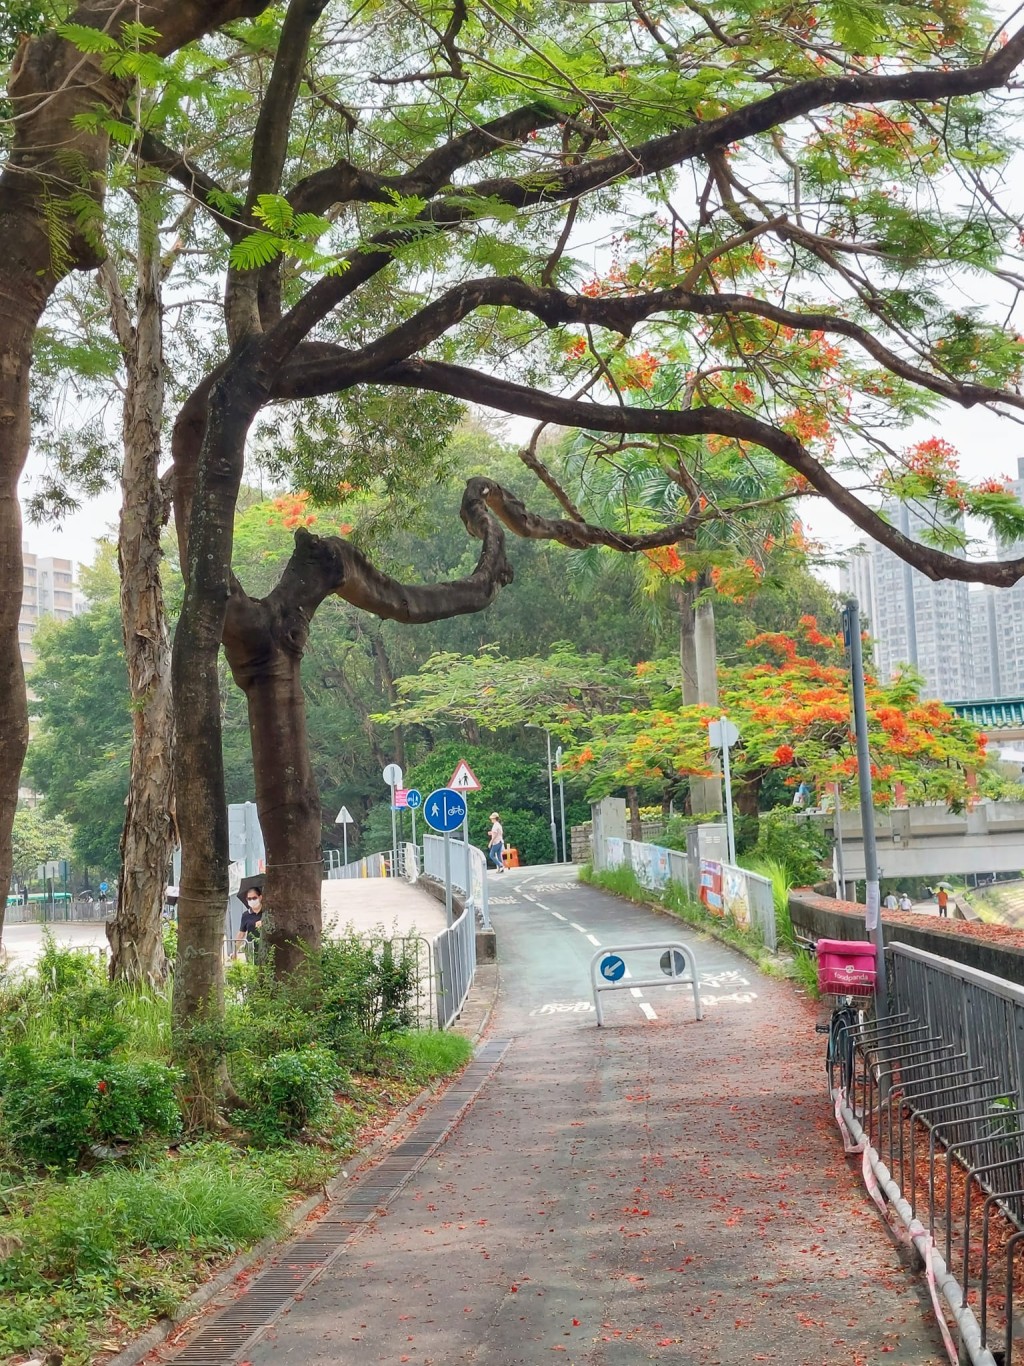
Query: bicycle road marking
{"x": 563, "y": 1008}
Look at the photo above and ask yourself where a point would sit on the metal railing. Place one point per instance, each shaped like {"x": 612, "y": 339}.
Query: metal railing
{"x": 373, "y": 865}
{"x": 937, "y": 1104}
{"x": 58, "y": 912}
{"x": 454, "y": 966}
{"x": 468, "y": 872}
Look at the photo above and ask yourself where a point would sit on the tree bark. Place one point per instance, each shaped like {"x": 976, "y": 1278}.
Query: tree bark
{"x": 137, "y": 953}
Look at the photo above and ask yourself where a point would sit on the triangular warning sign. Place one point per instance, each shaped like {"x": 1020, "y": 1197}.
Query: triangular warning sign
{"x": 464, "y": 779}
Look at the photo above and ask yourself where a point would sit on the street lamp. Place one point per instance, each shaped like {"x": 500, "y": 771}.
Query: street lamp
{"x": 551, "y": 789}
{"x": 561, "y": 798}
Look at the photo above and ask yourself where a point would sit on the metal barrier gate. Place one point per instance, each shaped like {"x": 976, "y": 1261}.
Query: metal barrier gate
{"x": 608, "y": 971}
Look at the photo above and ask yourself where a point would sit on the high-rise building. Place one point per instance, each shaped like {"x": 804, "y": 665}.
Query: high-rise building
{"x": 49, "y": 591}
{"x": 986, "y": 665}
{"x": 912, "y": 619}
{"x": 1009, "y": 610}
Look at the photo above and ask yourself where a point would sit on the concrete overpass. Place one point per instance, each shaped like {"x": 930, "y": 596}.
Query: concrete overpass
{"x": 929, "y": 841}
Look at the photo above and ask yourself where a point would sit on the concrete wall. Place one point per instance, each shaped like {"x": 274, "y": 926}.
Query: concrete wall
{"x": 823, "y": 917}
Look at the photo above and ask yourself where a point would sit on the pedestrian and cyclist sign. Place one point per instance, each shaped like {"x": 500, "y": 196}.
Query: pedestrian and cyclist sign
{"x": 444, "y": 810}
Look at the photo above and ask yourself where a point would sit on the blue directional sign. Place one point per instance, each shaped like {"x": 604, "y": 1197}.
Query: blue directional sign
{"x": 444, "y": 810}
{"x": 414, "y": 799}
{"x": 612, "y": 968}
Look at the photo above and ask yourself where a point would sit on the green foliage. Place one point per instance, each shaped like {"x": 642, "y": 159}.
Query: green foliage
{"x": 52, "y": 1108}
{"x": 290, "y": 1092}
{"x": 38, "y": 838}
{"x": 792, "y": 843}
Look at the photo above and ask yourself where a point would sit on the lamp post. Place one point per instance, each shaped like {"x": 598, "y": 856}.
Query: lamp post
{"x": 561, "y": 799}
{"x": 551, "y": 789}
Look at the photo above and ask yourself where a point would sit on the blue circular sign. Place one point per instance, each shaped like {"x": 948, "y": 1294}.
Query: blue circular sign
{"x": 444, "y": 810}
{"x": 414, "y": 798}
{"x": 612, "y": 968}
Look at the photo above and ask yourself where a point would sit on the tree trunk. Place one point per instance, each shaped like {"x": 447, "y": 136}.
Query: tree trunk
{"x": 264, "y": 641}
{"x": 136, "y": 942}
{"x": 19, "y": 313}
{"x": 636, "y": 831}
{"x": 698, "y": 666}
{"x": 198, "y": 998}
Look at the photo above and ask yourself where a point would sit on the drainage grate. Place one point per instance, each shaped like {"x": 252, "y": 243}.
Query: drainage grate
{"x": 225, "y": 1338}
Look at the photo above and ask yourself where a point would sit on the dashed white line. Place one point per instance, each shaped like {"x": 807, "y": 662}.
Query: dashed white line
{"x": 594, "y": 940}
{"x": 543, "y": 907}
{"x": 635, "y": 991}
{"x": 557, "y": 916}
{"x": 577, "y": 927}
{"x": 648, "y": 1010}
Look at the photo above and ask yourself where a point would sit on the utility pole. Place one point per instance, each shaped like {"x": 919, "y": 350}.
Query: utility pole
{"x": 872, "y": 917}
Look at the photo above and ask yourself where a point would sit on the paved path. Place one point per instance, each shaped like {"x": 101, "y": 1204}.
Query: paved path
{"x": 364, "y": 903}
{"x": 657, "y": 1190}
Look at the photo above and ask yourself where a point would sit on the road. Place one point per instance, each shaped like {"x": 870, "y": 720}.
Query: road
{"x": 656, "y": 1190}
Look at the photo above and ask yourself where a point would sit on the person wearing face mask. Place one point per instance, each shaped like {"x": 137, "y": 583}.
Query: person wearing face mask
{"x": 252, "y": 916}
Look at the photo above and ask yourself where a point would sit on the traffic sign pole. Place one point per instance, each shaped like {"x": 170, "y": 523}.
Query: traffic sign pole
{"x": 448, "y": 876}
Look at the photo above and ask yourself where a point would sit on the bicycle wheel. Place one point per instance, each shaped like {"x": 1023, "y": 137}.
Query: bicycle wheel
{"x": 841, "y": 1045}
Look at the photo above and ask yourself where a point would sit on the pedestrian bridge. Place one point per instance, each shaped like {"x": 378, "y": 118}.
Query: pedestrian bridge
{"x": 925, "y": 841}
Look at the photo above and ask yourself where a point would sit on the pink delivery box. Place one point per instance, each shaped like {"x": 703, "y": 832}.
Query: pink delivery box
{"x": 846, "y": 967}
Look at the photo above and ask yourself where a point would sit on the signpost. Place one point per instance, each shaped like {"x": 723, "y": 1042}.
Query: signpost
{"x": 722, "y": 734}
{"x": 444, "y": 811}
{"x": 414, "y": 800}
{"x": 465, "y": 780}
{"x": 392, "y": 775}
{"x": 344, "y": 819}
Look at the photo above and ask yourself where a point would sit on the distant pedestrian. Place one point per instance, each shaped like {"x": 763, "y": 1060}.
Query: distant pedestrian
{"x": 891, "y": 902}
{"x": 905, "y": 902}
{"x": 496, "y": 843}
{"x": 942, "y": 897}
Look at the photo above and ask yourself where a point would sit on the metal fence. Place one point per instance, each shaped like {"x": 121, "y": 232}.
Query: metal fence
{"x": 740, "y": 895}
{"x": 937, "y": 1106}
{"x": 373, "y": 865}
{"x": 468, "y": 867}
{"x": 454, "y": 966}
{"x": 58, "y": 912}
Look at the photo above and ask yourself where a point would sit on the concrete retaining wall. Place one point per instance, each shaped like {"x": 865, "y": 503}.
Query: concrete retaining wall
{"x": 823, "y": 917}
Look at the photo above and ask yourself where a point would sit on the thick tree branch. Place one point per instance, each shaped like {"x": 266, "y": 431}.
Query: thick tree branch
{"x": 521, "y": 401}
{"x": 270, "y": 146}
{"x": 322, "y": 566}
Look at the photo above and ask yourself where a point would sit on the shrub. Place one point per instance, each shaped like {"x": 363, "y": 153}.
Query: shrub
{"x": 54, "y": 1107}
{"x": 367, "y": 988}
{"x": 799, "y": 844}
{"x": 290, "y": 1092}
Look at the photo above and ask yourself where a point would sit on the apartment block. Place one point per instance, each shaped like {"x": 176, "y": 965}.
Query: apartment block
{"x": 49, "y": 591}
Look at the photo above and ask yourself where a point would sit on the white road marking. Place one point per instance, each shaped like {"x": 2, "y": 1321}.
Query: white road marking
{"x": 635, "y": 991}
{"x": 557, "y": 916}
{"x": 543, "y": 907}
{"x": 529, "y": 897}
{"x": 563, "y": 1008}
{"x": 648, "y": 1010}
{"x": 577, "y": 927}
{"x": 594, "y": 940}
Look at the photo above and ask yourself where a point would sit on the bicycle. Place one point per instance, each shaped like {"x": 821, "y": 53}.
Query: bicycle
{"x": 846, "y": 970}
